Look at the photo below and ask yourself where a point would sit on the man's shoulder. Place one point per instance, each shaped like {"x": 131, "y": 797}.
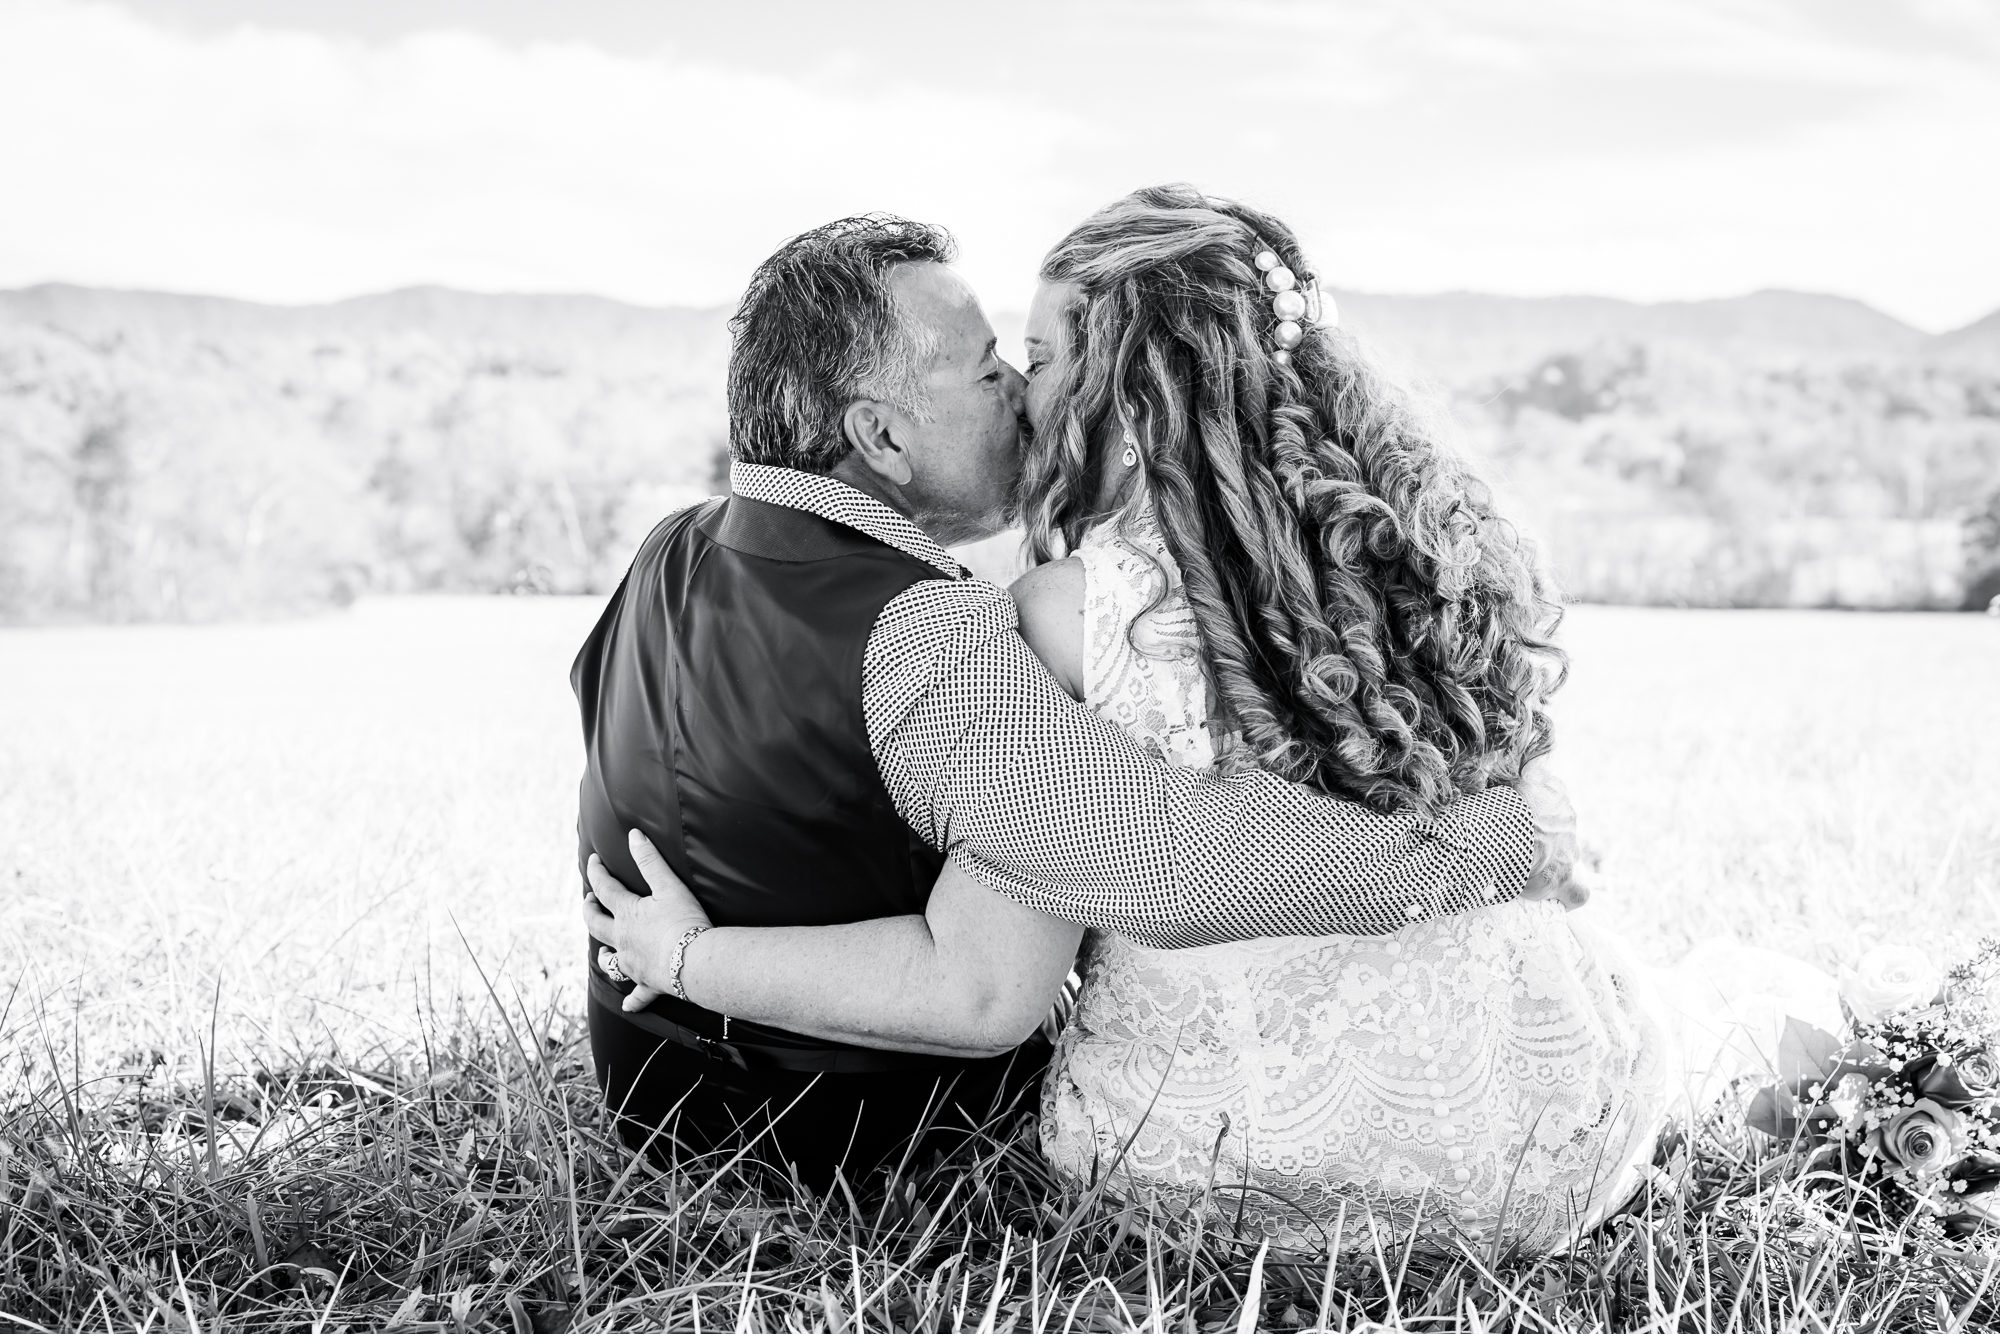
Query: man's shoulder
{"x": 926, "y": 635}
{"x": 678, "y": 525}
{"x": 945, "y": 608}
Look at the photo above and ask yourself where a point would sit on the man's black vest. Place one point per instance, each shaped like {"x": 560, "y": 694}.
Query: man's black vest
{"x": 721, "y": 698}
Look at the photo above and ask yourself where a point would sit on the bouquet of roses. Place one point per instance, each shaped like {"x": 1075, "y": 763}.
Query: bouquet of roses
{"x": 1906, "y": 1106}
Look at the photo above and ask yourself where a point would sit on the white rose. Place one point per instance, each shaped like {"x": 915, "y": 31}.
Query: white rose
{"x": 1924, "y": 1138}
{"x": 1887, "y": 979}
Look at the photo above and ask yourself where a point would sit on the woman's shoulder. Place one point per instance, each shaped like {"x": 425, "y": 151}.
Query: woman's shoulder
{"x": 1050, "y": 601}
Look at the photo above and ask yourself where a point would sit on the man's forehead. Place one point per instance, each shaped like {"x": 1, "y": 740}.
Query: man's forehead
{"x": 940, "y": 298}
{"x": 935, "y": 284}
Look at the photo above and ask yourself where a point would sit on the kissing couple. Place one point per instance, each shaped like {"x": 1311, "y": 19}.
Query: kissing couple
{"x": 1256, "y": 748}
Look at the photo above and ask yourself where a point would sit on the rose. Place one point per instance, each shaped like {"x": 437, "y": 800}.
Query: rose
{"x": 1969, "y": 1079}
{"x": 1887, "y": 979}
{"x": 1923, "y": 1138}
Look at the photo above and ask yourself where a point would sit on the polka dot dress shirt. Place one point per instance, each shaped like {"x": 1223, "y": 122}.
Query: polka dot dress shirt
{"x": 990, "y": 761}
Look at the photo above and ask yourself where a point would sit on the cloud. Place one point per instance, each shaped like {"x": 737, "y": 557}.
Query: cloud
{"x": 1652, "y": 148}
{"x": 297, "y": 165}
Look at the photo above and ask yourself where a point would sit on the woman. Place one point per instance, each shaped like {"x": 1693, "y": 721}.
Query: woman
{"x": 1270, "y": 562}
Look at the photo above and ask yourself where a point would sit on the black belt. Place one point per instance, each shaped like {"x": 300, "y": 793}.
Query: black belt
{"x": 758, "y": 1047}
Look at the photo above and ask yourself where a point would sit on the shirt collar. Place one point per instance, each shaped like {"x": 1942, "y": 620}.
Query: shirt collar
{"x": 837, "y": 502}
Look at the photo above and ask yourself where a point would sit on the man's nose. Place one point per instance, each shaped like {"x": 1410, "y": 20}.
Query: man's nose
{"x": 1017, "y": 386}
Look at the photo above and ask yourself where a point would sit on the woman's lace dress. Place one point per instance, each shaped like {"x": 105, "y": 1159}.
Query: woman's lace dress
{"x": 1498, "y": 1075}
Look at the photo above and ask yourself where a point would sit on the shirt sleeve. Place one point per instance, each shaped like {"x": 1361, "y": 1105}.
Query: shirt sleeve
{"x": 988, "y": 760}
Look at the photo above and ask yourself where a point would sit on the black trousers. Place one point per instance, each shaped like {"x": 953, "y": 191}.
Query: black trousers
{"x": 677, "y": 1102}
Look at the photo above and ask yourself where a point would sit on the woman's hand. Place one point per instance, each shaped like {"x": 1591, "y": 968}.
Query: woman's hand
{"x": 1554, "y": 874}
{"x": 642, "y": 930}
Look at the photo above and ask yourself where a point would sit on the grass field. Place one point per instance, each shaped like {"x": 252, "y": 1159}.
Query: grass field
{"x": 289, "y": 1003}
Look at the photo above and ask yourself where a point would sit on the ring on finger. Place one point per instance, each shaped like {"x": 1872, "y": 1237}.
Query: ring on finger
{"x": 607, "y": 963}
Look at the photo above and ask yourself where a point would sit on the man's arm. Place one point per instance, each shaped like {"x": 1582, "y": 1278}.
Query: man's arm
{"x": 987, "y": 758}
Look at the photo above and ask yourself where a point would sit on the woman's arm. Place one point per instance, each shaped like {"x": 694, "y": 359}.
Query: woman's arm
{"x": 972, "y": 977}
{"x": 1049, "y": 599}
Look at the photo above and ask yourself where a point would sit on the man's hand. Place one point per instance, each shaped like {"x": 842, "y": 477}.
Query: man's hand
{"x": 642, "y": 930}
{"x": 1554, "y": 876}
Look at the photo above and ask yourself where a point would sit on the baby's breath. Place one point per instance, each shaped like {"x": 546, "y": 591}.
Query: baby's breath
{"x": 1913, "y": 1152}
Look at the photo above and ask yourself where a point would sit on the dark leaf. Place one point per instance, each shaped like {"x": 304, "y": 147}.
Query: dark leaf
{"x": 1807, "y": 1054}
{"x": 1774, "y": 1112}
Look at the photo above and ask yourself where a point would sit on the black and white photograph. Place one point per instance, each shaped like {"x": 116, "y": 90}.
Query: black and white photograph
{"x": 1066, "y": 668}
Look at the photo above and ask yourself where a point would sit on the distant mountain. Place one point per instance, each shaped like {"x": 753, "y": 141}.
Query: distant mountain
{"x": 1464, "y": 335}
{"x": 472, "y": 315}
{"x": 1805, "y": 321}
{"x": 1454, "y": 337}
{"x": 1977, "y": 343}
{"x": 1457, "y": 337}
{"x": 92, "y": 310}
{"x": 469, "y": 319}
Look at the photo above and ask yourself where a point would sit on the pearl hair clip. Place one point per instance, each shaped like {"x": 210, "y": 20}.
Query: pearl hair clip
{"x": 1290, "y": 304}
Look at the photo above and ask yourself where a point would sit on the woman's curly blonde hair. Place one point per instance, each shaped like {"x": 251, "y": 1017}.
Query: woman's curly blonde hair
{"x": 1369, "y": 624}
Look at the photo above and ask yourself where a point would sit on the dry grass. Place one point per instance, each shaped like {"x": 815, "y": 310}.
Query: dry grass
{"x": 288, "y": 1002}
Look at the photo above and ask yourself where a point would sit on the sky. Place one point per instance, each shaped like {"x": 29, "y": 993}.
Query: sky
{"x": 655, "y": 150}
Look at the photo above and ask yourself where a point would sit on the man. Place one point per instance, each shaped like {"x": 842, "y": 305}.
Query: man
{"x": 805, "y": 703}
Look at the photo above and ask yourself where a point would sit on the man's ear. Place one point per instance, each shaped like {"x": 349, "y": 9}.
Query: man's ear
{"x": 871, "y": 428}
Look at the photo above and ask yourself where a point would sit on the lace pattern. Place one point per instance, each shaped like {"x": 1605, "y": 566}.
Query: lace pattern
{"x": 1496, "y": 1074}
{"x": 1142, "y": 668}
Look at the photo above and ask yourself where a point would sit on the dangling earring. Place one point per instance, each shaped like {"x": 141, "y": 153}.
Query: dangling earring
{"x": 1130, "y": 457}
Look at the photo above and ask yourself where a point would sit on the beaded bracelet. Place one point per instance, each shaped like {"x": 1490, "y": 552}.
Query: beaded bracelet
{"x": 680, "y": 955}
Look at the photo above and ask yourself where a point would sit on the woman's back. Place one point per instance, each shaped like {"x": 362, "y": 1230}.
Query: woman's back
{"x": 1485, "y": 1075}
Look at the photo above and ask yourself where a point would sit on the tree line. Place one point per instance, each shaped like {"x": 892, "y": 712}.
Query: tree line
{"x": 149, "y": 474}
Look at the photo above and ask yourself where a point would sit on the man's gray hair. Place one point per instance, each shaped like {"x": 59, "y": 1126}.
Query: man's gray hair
{"x": 817, "y": 328}
{"x": 893, "y": 369}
